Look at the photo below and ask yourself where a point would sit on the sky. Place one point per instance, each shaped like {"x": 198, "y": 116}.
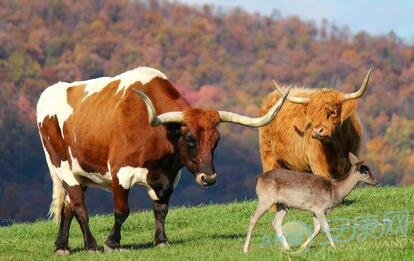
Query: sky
{"x": 373, "y": 16}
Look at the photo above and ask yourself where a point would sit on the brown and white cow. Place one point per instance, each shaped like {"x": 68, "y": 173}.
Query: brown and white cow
{"x": 100, "y": 133}
{"x": 315, "y": 131}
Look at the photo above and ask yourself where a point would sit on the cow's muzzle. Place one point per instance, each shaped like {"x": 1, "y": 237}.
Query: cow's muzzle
{"x": 320, "y": 133}
{"x": 206, "y": 179}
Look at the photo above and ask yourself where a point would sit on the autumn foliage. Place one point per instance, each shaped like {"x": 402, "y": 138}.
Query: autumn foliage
{"x": 217, "y": 59}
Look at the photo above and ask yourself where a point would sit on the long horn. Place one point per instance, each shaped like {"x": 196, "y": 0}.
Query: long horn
{"x": 153, "y": 119}
{"x": 226, "y": 116}
{"x": 361, "y": 91}
{"x": 294, "y": 99}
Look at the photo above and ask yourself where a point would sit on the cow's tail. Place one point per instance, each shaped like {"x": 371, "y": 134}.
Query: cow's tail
{"x": 58, "y": 198}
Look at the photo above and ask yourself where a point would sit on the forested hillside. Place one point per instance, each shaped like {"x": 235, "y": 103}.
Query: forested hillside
{"x": 217, "y": 59}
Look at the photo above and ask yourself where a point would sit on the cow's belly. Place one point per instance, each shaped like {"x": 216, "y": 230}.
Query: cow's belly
{"x": 127, "y": 176}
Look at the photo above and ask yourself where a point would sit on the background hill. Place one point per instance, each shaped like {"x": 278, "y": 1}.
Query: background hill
{"x": 222, "y": 60}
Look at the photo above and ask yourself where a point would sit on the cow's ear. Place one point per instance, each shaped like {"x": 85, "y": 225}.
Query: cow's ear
{"x": 304, "y": 122}
{"x": 348, "y": 108}
{"x": 305, "y": 108}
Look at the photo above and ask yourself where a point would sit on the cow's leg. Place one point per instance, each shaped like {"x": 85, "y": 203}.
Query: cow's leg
{"x": 160, "y": 208}
{"x": 121, "y": 213}
{"x": 77, "y": 201}
{"x": 61, "y": 243}
{"x": 318, "y": 162}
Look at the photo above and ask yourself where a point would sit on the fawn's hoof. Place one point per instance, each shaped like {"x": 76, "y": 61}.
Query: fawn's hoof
{"x": 62, "y": 252}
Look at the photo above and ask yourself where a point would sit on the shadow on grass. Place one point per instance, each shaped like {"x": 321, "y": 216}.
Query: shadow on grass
{"x": 348, "y": 202}
{"x": 228, "y": 236}
{"x": 141, "y": 246}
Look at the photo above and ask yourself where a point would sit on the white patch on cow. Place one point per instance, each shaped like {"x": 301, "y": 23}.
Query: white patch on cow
{"x": 177, "y": 179}
{"x": 63, "y": 172}
{"x": 94, "y": 178}
{"x": 53, "y": 102}
{"x": 129, "y": 176}
{"x": 140, "y": 74}
{"x": 95, "y": 85}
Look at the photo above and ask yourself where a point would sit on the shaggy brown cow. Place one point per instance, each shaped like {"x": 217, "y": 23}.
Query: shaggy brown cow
{"x": 315, "y": 131}
{"x": 100, "y": 133}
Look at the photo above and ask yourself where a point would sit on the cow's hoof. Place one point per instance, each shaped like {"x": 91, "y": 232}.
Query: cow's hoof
{"x": 93, "y": 251}
{"x": 163, "y": 244}
{"x": 62, "y": 252}
{"x": 108, "y": 249}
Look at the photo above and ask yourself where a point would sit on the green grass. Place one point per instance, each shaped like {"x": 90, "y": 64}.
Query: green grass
{"x": 218, "y": 231}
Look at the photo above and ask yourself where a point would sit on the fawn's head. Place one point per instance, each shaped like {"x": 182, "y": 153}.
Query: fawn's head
{"x": 361, "y": 170}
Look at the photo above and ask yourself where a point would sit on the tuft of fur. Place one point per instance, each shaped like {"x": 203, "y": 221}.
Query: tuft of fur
{"x": 58, "y": 199}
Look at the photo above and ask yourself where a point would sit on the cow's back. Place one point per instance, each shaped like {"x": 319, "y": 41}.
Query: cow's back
{"x": 282, "y": 140}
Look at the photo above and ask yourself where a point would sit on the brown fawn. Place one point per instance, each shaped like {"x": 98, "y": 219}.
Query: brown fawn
{"x": 304, "y": 191}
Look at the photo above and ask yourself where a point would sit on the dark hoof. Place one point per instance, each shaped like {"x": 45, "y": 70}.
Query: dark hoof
{"x": 62, "y": 252}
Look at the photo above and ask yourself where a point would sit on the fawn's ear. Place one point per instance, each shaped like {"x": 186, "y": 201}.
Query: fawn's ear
{"x": 353, "y": 159}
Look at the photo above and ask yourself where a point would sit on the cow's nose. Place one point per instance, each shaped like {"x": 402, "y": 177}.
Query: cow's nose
{"x": 318, "y": 132}
{"x": 206, "y": 180}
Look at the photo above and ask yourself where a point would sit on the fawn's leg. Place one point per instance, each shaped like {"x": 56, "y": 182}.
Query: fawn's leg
{"x": 322, "y": 220}
{"x": 277, "y": 224}
{"x": 316, "y": 230}
{"x": 260, "y": 210}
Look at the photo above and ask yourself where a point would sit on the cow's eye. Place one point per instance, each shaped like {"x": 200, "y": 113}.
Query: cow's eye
{"x": 190, "y": 141}
{"x": 332, "y": 114}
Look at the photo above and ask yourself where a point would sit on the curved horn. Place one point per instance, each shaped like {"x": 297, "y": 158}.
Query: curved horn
{"x": 153, "y": 119}
{"x": 293, "y": 99}
{"x": 226, "y": 116}
{"x": 361, "y": 91}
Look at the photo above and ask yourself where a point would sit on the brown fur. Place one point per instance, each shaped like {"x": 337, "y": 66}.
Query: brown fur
{"x": 287, "y": 142}
{"x": 52, "y": 140}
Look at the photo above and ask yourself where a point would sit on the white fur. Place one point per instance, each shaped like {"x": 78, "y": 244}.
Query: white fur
{"x": 141, "y": 74}
{"x": 129, "y": 176}
{"x": 53, "y": 102}
{"x": 94, "y": 178}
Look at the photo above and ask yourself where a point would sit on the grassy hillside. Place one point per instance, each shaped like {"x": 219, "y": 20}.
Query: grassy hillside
{"x": 218, "y": 231}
